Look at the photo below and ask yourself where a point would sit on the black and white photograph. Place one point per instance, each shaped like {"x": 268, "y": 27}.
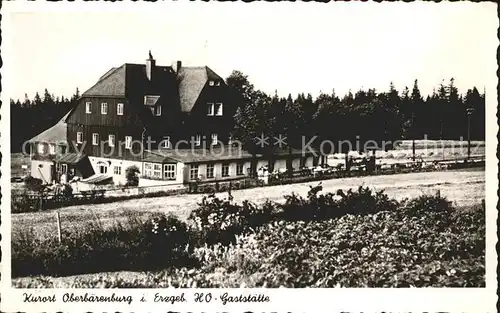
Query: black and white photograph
{"x": 264, "y": 145}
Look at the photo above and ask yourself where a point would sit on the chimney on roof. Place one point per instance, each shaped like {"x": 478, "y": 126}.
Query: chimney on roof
{"x": 176, "y": 66}
{"x": 150, "y": 65}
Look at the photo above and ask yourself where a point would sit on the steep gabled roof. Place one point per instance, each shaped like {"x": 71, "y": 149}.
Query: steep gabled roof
{"x": 112, "y": 83}
{"x": 191, "y": 81}
{"x": 55, "y": 134}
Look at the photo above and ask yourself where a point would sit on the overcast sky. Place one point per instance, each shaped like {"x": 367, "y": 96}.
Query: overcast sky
{"x": 294, "y": 47}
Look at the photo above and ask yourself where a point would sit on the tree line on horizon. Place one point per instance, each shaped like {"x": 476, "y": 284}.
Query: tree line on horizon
{"x": 360, "y": 116}
{"x": 30, "y": 117}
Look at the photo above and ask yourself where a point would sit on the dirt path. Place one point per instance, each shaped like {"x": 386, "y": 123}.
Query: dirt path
{"x": 463, "y": 187}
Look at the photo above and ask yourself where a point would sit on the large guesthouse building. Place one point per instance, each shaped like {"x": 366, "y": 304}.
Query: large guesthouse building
{"x": 172, "y": 122}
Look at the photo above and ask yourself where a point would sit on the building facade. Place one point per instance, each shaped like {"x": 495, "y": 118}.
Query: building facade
{"x": 157, "y": 118}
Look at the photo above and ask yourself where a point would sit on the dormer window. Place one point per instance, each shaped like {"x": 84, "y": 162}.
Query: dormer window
{"x": 158, "y": 110}
{"x": 217, "y": 83}
{"x": 211, "y": 83}
{"x": 52, "y": 149}
{"x": 210, "y": 109}
{"x": 218, "y": 109}
{"x": 88, "y": 107}
{"x": 119, "y": 109}
{"x": 165, "y": 143}
{"x": 104, "y": 108}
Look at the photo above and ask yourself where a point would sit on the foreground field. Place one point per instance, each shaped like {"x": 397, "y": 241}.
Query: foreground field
{"x": 463, "y": 188}
{"x": 348, "y": 239}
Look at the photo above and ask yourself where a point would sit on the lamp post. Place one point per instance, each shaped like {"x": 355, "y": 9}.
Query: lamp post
{"x": 413, "y": 135}
{"x": 469, "y": 113}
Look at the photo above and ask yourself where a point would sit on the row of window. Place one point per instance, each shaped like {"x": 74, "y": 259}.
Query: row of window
{"x": 165, "y": 143}
{"x": 214, "y": 109}
{"x": 155, "y": 170}
{"x": 210, "y": 173}
{"x": 111, "y": 140}
{"x": 104, "y": 108}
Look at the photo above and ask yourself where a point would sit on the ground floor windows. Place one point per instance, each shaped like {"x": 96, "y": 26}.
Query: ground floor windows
{"x": 239, "y": 169}
{"x": 225, "y": 169}
{"x": 193, "y": 171}
{"x": 169, "y": 171}
{"x": 210, "y": 171}
{"x": 152, "y": 170}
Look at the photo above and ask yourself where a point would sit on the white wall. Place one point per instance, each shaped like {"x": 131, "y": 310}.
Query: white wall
{"x": 117, "y": 179}
{"x": 42, "y": 170}
{"x": 145, "y": 182}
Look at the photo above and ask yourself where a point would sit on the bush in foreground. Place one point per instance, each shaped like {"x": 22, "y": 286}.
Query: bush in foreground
{"x": 159, "y": 242}
{"x": 354, "y": 238}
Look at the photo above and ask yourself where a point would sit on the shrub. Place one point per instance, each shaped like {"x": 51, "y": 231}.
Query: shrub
{"x": 159, "y": 242}
{"x": 437, "y": 210}
{"x": 329, "y": 205}
{"x": 33, "y": 184}
{"x": 131, "y": 176}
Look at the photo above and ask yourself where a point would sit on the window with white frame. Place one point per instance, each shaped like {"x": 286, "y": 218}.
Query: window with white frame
{"x": 95, "y": 139}
{"x": 119, "y": 109}
{"x": 79, "y": 137}
{"x": 165, "y": 143}
{"x": 210, "y": 171}
{"x": 210, "y": 109}
{"x": 52, "y": 149}
{"x": 218, "y": 109}
{"x": 111, "y": 140}
{"x": 214, "y": 139}
{"x": 197, "y": 140}
{"x": 217, "y": 83}
{"x": 157, "y": 170}
{"x": 211, "y": 83}
{"x": 239, "y": 169}
{"x": 169, "y": 171}
{"x": 158, "y": 110}
{"x": 128, "y": 142}
{"x": 88, "y": 107}
{"x": 225, "y": 169}
{"x": 193, "y": 171}
{"x": 41, "y": 148}
{"x": 152, "y": 170}
{"x": 104, "y": 108}
{"x": 148, "y": 169}
{"x": 117, "y": 170}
